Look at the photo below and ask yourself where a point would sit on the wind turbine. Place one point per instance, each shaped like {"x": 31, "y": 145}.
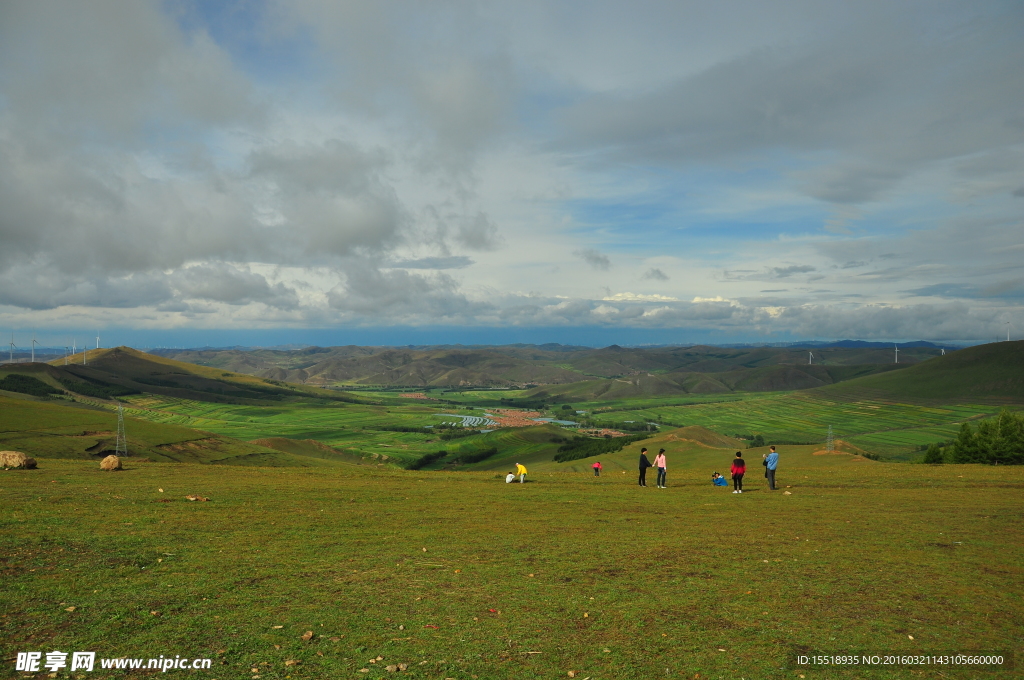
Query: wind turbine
{"x": 810, "y": 357}
{"x": 897, "y": 353}
{"x": 1007, "y": 331}
{"x": 34, "y": 343}
{"x": 97, "y": 339}
{"x": 943, "y": 351}
{"x": 13, "y": 347}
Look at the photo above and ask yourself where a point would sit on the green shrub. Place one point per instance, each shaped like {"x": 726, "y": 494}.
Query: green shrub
{"x": 476, "y": 456}
{"x": 97, "y": 389}
{"x": 933, "y": 456}
{"x": 584, "y": 447}
{"x": 425, "y": 460}
{"x": 27, "y": 385}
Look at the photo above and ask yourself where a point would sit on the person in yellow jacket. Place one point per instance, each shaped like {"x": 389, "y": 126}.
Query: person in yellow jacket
{"x": 521, "y": 471}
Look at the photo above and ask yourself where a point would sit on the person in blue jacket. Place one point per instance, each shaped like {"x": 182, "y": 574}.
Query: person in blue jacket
{"x": 719, "y": 480}
{"x": 771, "y": 461}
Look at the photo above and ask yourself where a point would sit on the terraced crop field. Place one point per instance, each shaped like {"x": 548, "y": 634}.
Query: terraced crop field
{"x": 807, "y": 417}
{"x": 352, "y": 427}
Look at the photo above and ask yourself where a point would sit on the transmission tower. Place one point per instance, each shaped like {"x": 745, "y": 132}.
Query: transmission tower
{"x": 121, "y": 448}
{"x": 830, "y": 444}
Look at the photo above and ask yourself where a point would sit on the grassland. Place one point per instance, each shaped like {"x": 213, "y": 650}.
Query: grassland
{"x": 566, "y": 572}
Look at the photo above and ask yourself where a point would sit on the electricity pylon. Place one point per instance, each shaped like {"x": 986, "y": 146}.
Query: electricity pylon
{"x": 121, "y": 447}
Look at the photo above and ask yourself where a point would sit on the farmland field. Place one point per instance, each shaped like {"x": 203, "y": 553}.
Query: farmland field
{"x": 887, "y": 428}
{"x": 806, "y": 417}
{"x": 459, "y": 575}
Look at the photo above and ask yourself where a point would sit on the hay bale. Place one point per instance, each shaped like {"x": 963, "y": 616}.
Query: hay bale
{"x": 16, "y": 459}
{"x": 110, "y": 463}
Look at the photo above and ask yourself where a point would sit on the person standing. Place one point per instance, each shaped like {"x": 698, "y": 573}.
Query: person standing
{"x": 739, "y": 468}
{"x": 521, "y": 471}
{"x": 771, "y": 462}
{"x": 644, "y": 464}
{"x": 659, "y": 462}
{"x": 597, "y": 468}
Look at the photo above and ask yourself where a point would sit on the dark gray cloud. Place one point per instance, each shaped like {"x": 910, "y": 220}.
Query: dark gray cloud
{"x": 886, "y": 96}
{"x": 218, "y": 282}
{"x": 655, "y": 274}
{"x": 384, "y": 295}
{"x": 38, "y": 288}
{"x": 594, "y": 258}
{"x": 450, "y": 262}
{"x": 784, "y": 272}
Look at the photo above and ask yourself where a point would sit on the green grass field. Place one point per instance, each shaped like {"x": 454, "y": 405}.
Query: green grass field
{"x": 565, "y": 573}
{"x": 891, "y": 426}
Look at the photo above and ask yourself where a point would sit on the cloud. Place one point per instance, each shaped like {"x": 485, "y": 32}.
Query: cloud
{"x": 655, "y": 274}
{"x": 864, "y": 98}
{"x": 318, "y": 163}
{"x": 396, "y": 294}
{"x": 478, "y": 232}
{"x": 594, "y": 258}
{"x": 784, "y": 272}
{"x": 450, "y": 262}
{"x": 639, "y": 297}
{"x": 219, "y": 282}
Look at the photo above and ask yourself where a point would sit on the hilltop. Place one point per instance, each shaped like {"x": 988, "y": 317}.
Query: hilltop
{"x": 120, "y": 371}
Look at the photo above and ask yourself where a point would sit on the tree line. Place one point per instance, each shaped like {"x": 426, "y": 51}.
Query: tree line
{"x": 999, "y": 441}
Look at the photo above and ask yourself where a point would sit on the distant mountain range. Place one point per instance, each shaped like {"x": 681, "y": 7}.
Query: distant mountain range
{"x": 651, "y": 370}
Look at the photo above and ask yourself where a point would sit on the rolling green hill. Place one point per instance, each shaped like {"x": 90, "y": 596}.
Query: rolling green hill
{"x": 122, "y": 370}
{"x": 771, "y": 378}
{"x": 983, "y": 372}
{"x": 57, "y": 429}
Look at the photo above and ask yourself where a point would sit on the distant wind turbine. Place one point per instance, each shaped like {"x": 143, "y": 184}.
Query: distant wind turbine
{"x": 897, "y": 353}
{"x": 34, "y": 343}
{"x": 810, "y": 358}
{"x": 1007, "y": 331}
{"x": 13, "y": 347}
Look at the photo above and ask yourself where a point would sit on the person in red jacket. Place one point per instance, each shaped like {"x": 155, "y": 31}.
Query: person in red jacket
{"x": 597, "y": 468}
{"x": 739, "y": 467}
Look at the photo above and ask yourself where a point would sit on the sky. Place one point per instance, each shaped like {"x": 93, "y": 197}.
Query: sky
{"x": 252, "y": 172}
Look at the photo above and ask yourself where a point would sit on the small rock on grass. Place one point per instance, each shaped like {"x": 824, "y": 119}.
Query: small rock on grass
{"x": 110, "y": 463}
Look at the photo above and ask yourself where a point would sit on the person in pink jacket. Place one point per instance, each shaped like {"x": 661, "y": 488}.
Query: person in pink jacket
{"x": 659, "y": 462}
{"x": 597, "y": 468}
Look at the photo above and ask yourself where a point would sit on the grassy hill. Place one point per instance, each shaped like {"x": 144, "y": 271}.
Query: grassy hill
{"x": 983, "y": 372}
{"x": 63, "y": 430}
{"x": 771, "y": 378}
{"x": 123, "y": 370}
